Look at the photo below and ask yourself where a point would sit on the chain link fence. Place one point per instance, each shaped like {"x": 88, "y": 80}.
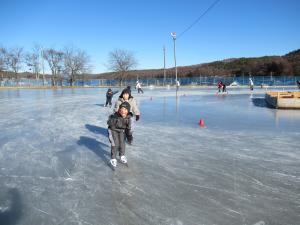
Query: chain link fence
{"x": 194, "y": 81}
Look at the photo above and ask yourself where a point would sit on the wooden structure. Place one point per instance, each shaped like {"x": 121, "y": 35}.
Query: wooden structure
{"x": 283, "y": 100}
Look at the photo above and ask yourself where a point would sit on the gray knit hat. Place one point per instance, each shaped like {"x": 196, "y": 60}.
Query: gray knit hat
{"x": 125, "y": 105}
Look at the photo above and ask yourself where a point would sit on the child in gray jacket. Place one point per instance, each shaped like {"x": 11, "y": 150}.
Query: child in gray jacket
{"x": 125, "y": 96}
{"x": 117, "y": 123}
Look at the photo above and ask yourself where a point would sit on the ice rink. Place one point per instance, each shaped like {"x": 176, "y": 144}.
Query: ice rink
{"x": 242, "y": 168}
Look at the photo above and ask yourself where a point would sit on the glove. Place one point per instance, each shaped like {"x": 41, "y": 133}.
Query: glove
{"x": 137, "y": 117}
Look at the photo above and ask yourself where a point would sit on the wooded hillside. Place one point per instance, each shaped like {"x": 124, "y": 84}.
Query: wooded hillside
{"x": 288, "y": 64}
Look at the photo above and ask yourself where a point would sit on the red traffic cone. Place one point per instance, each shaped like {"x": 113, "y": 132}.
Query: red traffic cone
{"x": 201, "y": 123}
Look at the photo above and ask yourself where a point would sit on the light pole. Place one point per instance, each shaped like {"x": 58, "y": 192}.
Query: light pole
{"x": 173, "y": 34}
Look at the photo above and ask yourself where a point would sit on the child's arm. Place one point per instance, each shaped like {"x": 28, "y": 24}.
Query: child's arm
{"x": 135, "y": 108}
{"x": 128, "y": 124}
{"x": 117, "y": 104}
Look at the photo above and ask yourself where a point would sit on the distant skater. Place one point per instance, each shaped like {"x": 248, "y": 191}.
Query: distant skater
{"x": 109, "y": 96}
{"x": 251, "y": 84}
{"x": 117, "y": 123}
{"x": 177, "y": 85}
{"x": 129, "y": 89}
{"x": 220, "y": 85}
{"x": 224, "y": 88}
{"x": 139, "y": 87}
{"x": 298, "y": 83}
{"x": 125, "y": 96}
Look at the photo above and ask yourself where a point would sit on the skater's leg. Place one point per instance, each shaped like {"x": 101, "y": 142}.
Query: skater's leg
{"x": 123, "y": 158}
{"x": 113, "y": 152}
{"x": 122, "y": 143}
{"x": 113, "y": 138}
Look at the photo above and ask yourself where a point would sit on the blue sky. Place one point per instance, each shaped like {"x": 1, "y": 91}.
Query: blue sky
{"x": 233, "y": 28}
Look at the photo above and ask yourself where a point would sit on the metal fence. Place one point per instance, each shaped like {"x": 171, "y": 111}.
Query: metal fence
{"x": 200, "y": 80}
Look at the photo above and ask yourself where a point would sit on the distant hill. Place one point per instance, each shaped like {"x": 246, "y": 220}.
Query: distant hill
{"x": 288, "y": 64}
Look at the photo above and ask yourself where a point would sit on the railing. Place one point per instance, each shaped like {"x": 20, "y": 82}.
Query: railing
{"x": 200, "y": 80}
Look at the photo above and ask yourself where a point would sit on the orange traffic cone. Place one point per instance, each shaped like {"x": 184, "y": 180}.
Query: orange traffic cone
{"x": 201, "y": 123}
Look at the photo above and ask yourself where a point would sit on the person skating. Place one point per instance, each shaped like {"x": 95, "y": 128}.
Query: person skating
{"x": 251, "y": 84}
{"x": 117, "y": 123}
{"x": 139, "y": 87}
{"x": 224, "y": 88}
{"x": 177, "y": 85}
{"x": 220, "y": 85}
{"x": 129, "y": 89}
{"x": 125, "y": 96}
{"x": 109, "y": 96}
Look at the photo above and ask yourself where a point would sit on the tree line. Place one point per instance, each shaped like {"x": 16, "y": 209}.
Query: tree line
{"x": 68, "y": 63}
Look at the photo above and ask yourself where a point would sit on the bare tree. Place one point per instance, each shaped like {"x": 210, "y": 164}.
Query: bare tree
{"x": 14, "y": 60}
{"x": 32, "y": 60}
{"x": 121, "y": 61}
{"x": 76, "y": 63}
{"x": 42, "y": 64}
{"x": 55, "y": 61}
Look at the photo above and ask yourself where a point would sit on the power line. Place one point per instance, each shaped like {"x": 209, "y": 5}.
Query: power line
{"x": 199, "y": 18}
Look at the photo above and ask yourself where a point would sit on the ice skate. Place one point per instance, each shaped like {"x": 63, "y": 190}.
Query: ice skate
{"x": 123, "y": 159}
{"x": 113, "y": 162}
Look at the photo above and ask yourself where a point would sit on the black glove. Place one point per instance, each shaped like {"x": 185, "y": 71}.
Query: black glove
{"x": 137, "y": 117}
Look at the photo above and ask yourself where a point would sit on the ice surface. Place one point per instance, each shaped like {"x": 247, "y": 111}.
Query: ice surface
{"x": 242, "y": 168}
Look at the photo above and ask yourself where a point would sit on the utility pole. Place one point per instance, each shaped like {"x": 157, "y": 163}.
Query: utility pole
{"x": 173, "y": 34}
{"x": 164, "y": 65}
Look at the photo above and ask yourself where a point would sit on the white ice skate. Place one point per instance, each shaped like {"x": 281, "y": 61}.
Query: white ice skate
{"x": 113, "y": 162}
{"x": 123, "y": 159}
